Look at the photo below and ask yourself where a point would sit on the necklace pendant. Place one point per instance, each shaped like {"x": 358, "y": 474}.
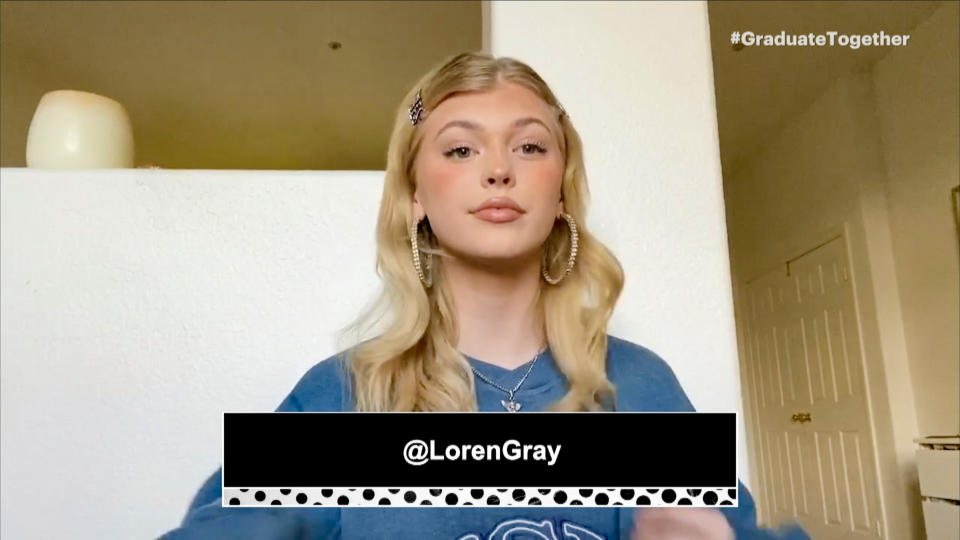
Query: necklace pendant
{"x": 510, "y": 405}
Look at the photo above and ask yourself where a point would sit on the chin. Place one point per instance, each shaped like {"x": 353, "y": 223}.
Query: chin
{"x": 498, "y": 249}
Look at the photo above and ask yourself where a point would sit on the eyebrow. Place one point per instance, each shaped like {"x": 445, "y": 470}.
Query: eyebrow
{"x": 518, "y": 123}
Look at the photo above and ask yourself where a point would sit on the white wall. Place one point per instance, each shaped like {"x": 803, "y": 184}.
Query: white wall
{"x": 138, "y": 306}
{"x": 643, "y": 102}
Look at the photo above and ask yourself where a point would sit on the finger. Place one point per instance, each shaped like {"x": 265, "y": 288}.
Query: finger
{"x": 695, "y": 523}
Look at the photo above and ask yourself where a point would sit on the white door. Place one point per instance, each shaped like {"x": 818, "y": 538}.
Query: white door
{"x": 805, "y": 369}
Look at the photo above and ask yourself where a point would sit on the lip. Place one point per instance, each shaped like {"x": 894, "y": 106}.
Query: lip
{"x": 499, "y": 202}
{"x": 498, "y": 210}
{"x": 498, "y": 215}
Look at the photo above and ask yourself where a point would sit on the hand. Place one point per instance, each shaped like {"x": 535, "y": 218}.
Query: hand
{"x": 672, "y": 523}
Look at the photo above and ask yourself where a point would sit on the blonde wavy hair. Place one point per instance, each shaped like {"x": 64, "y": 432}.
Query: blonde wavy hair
{"x": 413, "y": 364}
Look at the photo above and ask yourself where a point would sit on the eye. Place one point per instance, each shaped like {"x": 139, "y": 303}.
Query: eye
{"x": 458, "y": 151}
{"x": 536, "y": 146}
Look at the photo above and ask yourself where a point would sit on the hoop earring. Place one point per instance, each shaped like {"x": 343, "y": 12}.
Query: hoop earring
{"x": 572, "y": 223}
{"x": 416, "y": 256}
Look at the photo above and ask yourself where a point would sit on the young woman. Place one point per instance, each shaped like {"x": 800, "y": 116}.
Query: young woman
{"x": 499, "y": 299}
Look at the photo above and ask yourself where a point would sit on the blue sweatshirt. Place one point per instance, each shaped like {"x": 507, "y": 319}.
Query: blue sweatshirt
{"x": 643, "y": 380}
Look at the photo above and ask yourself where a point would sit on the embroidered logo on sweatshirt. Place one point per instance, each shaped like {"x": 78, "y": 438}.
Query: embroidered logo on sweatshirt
{"x": 526, "y": 528}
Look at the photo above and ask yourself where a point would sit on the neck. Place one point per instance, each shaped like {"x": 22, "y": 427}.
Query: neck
{"x": 497, "y": 313}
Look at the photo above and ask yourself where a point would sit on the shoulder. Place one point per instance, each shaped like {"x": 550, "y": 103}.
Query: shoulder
{"x": 324, "y": 387}
{"x": 644, "y": 380}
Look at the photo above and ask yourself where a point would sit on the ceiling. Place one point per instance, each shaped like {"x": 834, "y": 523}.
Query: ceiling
{"x": 759, "y": 88}
{"x": 257, "y": 85}
{"x": 231, "y": 85}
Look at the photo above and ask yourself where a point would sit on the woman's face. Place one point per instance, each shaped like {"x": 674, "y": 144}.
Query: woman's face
{"x": 478, "y": 146}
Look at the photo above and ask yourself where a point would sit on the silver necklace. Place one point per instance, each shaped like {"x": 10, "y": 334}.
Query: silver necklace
{"x": 510, "y": 404}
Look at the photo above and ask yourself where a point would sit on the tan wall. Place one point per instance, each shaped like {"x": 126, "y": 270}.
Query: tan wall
{"x": 824, "y": 173}
{"x": 875, "y": 156}
{"x": 917, "y": 91}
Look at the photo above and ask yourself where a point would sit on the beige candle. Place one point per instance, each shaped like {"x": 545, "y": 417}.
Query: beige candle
{"x": 72, "y": 129}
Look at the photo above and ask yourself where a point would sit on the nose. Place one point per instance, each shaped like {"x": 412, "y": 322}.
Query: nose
{"x": 500, "y": 173}
{"x": 497, "y": 178}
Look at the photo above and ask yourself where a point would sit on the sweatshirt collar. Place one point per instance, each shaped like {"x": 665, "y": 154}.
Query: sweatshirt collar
{"x": 544, "y": 373}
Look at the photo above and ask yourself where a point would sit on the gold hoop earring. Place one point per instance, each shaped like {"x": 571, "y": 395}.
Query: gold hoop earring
{"x": 416, "y": 256}
{"x": 572, "y": 223}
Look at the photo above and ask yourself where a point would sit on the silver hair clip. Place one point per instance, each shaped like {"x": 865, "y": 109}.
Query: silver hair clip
{"x": 416, "y": 109}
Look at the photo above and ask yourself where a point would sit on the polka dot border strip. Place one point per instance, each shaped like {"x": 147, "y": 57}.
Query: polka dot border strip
{"x": 483, "y": 497}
